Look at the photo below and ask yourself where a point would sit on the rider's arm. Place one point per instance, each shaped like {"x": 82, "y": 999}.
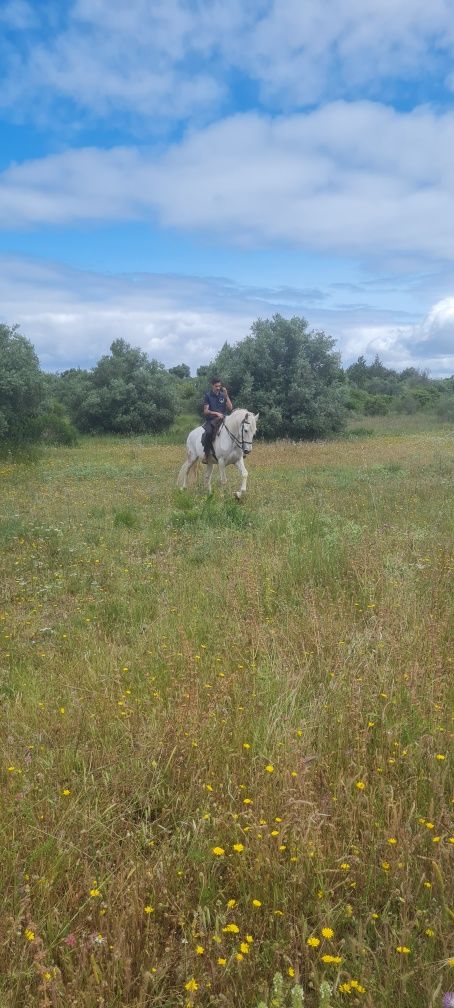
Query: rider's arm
{"x": 209, "y": 412}
{"x": 228, "y": 401}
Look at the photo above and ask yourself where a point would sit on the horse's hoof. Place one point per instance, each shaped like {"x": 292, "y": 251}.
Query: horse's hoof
{"x": 238, "y": 495}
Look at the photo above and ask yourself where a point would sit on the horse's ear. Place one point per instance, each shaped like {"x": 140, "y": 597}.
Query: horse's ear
{"x": 257, "y": 416}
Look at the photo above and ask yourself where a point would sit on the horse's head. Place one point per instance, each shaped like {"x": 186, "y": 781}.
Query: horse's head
{"x": 248, "y": 430}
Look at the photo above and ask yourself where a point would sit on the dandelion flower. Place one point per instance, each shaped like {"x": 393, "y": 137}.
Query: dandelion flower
{"x": 199, "y": 949}
{"x": 231, "y": 903}
{"x": 269, "y": 768}
{"x": 231, "y": 929}
{"x": 313, "y": 942}
{"x": 360, "y": 785}
{"x": 219, "y": 851}
{"x": 95, "y": 893}
{"x": 392, "y": 840}
{"x": 327, "y": 932}
{"x": 238, "y": 847}
{"x": 403, "y": 949}
{"x": 332, "y": 959}
{"x": 29, "y": 934}
{"x": 148, "y": 909}
{"x": 256, "y": 903}
{"x": 222, "y": 961}
{"x": 191, "y": 985}
{"x": 440, "y": 756}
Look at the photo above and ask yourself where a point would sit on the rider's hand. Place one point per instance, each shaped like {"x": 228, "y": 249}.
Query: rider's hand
{"x": 220, "y": 415}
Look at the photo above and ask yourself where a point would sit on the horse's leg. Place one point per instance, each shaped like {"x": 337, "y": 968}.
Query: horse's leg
{"x": 208, "y": 477}
{"x": 222, "y": 476}
{"x": 182, "y": 480}
{"x": 244, "y": 475}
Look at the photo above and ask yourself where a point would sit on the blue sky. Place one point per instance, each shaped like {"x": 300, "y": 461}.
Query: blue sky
{"x": 170, "y": 171}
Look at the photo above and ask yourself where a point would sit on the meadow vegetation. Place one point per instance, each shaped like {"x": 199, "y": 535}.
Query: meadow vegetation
{"x": 225, "y": 746}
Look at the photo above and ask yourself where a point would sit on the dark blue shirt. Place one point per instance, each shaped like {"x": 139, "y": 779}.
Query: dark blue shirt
{"x": 215, "y": 401}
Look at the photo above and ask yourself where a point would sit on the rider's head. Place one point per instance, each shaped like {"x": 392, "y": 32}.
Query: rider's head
{"x": 216, "y": 384}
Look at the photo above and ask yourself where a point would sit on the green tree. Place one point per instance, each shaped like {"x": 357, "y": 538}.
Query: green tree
{"x": 180, "y": 371}
{"x": 22, "y": 389}
{"x": 288, "y": 373}
{"x": 125, "y": 393}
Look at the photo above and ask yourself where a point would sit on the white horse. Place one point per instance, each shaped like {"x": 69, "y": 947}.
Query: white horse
{"x": 232, "y": 442}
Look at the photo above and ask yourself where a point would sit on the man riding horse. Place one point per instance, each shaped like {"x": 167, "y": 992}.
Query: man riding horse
{"x": 216, "y": 404}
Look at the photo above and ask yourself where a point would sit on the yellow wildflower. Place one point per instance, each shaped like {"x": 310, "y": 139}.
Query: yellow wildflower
{"x": 327, "y": 932}
{"x": 219, "y": 851}
{"x": 256, "y": 903}
{"x": 238, "y": 847}
{"x": 231, "y": 928}
{"x": 313, "y": 942}
{"x": 403, "y": 949}
{"x": 191, "y": 985}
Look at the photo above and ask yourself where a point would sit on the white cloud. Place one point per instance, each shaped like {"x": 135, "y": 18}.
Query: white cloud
{"x": 164, "y": 59}
{"x": 352, "y": 178}
{"x": 437, "y": 331}
{"x": 72, "y": 316}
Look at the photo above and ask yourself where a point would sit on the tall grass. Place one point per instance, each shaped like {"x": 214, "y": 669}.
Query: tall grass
{"x": 226, "y": 730}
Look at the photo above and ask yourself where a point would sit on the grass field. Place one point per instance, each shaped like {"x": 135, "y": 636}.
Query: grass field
{"x": 226, "y": 728}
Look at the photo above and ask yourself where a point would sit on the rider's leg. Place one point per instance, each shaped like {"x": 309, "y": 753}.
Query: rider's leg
{"x": 207, "y": 440}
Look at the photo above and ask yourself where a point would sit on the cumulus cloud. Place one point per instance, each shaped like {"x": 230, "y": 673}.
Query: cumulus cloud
{"x": 353, "y": 178}
{"x": 435, "y": 336}
{"x": 428, "y": 344}
{"x": 167, "y": 59}
{"x": 72, "y": 316}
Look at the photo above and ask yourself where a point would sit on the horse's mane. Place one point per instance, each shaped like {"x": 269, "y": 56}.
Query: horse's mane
{"x": 238, "y": 415}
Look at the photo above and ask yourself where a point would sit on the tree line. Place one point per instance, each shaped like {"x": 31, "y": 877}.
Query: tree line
{"x": 288, "y": 372}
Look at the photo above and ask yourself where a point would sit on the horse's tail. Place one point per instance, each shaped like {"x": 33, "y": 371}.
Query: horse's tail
{"x": 193, "y": 473}
{"x": 180, "y": 477}
{"x": 189, "y": 469}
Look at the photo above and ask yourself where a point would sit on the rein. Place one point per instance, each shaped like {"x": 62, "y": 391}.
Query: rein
{"x": 240, "y": 444}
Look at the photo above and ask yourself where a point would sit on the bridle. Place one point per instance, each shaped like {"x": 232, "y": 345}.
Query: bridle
{"x": 241, "y": 444}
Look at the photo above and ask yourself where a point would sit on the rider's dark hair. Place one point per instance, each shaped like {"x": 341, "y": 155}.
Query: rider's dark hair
{"x": 214, "y": 380}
